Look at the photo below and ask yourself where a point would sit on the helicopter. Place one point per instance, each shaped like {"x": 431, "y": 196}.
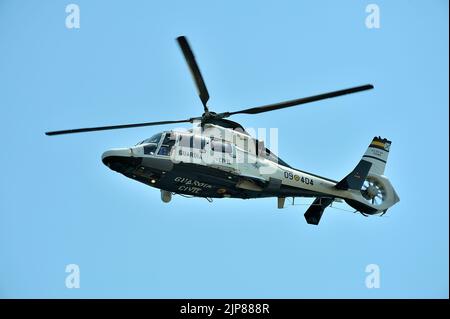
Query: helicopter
{"x": 218, "y": 158}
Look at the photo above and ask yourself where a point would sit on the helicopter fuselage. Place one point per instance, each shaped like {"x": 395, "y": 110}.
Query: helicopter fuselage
{"x": 218, "y": 165}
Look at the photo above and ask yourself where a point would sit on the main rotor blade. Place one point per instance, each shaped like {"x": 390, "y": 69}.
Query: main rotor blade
{"x": 113, "y": 127}
{"x": 195, "y": 71}
{"x": 282, "y": 105}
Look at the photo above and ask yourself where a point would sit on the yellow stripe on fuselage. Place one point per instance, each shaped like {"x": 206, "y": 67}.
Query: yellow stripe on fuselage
{"x": 377, "y": 143}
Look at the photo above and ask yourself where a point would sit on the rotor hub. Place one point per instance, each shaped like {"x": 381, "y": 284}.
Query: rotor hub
{"x": 209, "y": 115}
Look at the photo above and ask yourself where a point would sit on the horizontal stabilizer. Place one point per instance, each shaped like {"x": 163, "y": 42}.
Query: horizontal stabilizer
{"x": 315, "y": 211}
{"x": 356, "y": 178}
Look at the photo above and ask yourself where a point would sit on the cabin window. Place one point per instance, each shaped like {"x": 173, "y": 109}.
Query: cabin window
{"x": 223, "y": 147}
{"x": 193, "y": 142}
{"x": 198, "y": 142}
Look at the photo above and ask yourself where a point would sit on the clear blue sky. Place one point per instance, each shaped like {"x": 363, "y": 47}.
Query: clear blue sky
{"x": 60, "y": 205}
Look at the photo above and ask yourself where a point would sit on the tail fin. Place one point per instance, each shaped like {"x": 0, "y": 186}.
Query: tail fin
{"x": 356, "y": 178}
{"x": 373, "y": 162}
{"x": 376, "y": 191}
{"x": 377, "y": 154}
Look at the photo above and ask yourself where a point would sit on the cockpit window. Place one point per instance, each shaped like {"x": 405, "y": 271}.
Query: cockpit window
{"x": 151, "y": 144}
{"x": 150, "y": 148}
{"x": 154, "y": 139}
{"x": 167, "y": 144}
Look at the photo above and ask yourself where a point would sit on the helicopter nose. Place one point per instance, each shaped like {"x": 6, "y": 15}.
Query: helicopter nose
{"x": 120, "y": 159}
{"x": 123, "y": 152}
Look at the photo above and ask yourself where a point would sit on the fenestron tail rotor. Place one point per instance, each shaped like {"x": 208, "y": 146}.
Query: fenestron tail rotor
{"x": 373, "y": 191}
{"x": 204, "y": 97}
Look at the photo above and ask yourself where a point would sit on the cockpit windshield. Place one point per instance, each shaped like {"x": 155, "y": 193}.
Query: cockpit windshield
{"x": 154, "y": 139}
